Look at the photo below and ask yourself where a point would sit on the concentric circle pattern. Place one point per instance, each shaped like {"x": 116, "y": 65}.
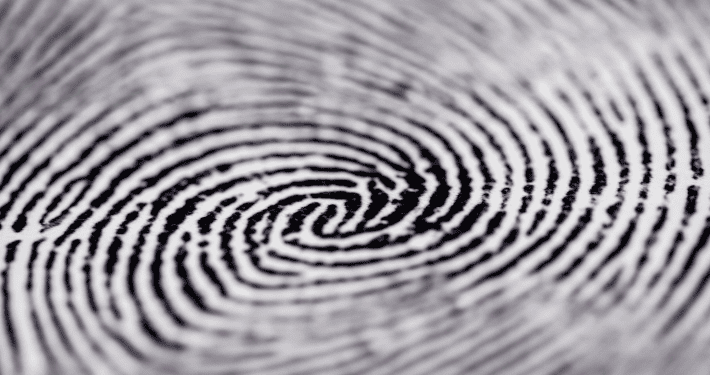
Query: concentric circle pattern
{"x": 354, "y": 187}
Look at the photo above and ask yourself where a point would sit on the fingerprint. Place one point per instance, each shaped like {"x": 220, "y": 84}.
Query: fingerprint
{"x": 354, "y": 187}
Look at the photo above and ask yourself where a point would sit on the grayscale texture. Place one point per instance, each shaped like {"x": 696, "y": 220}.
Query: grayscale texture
{"x": 354, "y": 187}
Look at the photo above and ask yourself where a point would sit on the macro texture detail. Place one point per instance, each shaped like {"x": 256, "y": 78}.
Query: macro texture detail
{"x": 354, "y": 187}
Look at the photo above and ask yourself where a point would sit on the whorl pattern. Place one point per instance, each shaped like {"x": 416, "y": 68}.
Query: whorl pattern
{"x": 354, "y": 187}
